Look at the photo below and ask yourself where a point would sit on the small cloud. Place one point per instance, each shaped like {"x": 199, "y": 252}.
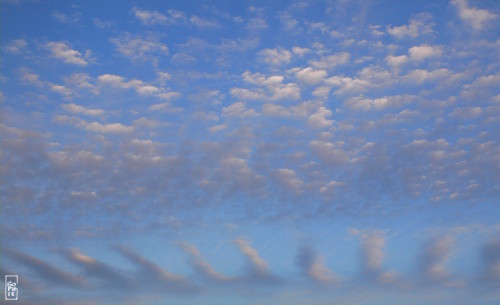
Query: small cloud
{"x": 313, "y": 266}
{"x": 311, "y": 76}
{"x": 478, "y": 19}
{"x": 78, "y": 109}
{"x": 149, "y": 17}
{"x": 490, "y": 258}
{"x": 432, "y": 261}
{"x": 63, "y": 51}
{"x": 16, "y": 46}
{"x": 46, "y": 271}
{"x": 331, "y": 61}
{"x": 238, "y": 109}
{"x": 319, "y": 119}
{"x": 257, "y": 265}
{"x": 203, "y": 23}
{"x": 140, "y": 48}
{"x": 419, "y": 25}
{"x": 65, "y": 19}
{"x": 201, "y": 266}
{"x": 256, "y": 24}
{"x": 275, "y": 57}
{"x": 422, "y": 52}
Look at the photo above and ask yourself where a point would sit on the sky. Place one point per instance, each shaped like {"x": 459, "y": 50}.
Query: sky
{"x": 250, "y": 152}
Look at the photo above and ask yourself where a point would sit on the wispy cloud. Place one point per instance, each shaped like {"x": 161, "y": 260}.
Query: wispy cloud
{"x": 63, "y": 51}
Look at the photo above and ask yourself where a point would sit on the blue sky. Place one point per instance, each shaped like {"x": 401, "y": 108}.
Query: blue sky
{"x": 258, "y": 152}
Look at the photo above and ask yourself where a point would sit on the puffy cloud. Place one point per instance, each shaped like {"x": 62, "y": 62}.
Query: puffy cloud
{"x": 420, "y": 76}
{"x": 63, "y": 51}
{"x": 310, "y": 76}
{"x": 313, "y": 266}
{"x": 273, "y": 84}
{"x": 329, "y": 153}
{"x": 97, "y": 127}
{"x": 275, "y": 57}
{"x": 203, "y": 23}
{"x": 299, "y": 51}
{"x": 31, "y": 78}
{"x": 140, "y": 48}
{"x": 16, "y": 46}
{"x": 363, "y": 103}
{"x": 396, "y": 61}
{"x": 149, "y": 17}
{"x": 331, "y": 61}
{"x": 80, "y": 81}
{"x": 238, "y": 109}
{"x": 422, "y": 52}
{"x": 247, "y": 94}
{"x": 319, "y": 119}
{"x": 61, "y": 90}
{"x": 107, "y": 128}
{"x": 275, "y": 110}
{"x": 466, "y": 112}
{"x": 256, "y": 24}
{"x": 65, "y": 19}
{"x": 421, "y": 24}
{"x": 78, "y": 109}
{"x": 477, "y": 18}
{"x": 288, "y": 179}
{"x": 139, "y": 86}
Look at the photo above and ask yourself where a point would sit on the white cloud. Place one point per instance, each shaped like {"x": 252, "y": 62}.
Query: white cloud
{"x": 30, "y": 77}
{"x": 477, "y": 18}
{"x": 62, "y": 50}
{"x": 16, "y": 46}
{"x": 433, "y": 258}
{"x": 238, "y": 109}
{"x": 65, "y": 19}
{"x": 203, "y": 23}
{"x": 419, "y": 25}
{"x": 247, "y": 94}
{"x": 319, "y": 119}
{"x": 107, "y": 128}
{"x": 422, "y": 52}
{"x": 420, "y": 76}
{"x": 256, "y": 24}
{"x": 299, "y": 51}
{"x": 78, "y": 109}
{"x": 313, "y": 266}
{"x": 274, "y": 86}
{"x": 149, "y": 17}
{"x": 288, "y": 179}
{"x": 258, "y": 265}
{"x": 61, "y": 90}
{"x": 275, "y": 110}
{"x": 396, "y": 61}
{"x": 331, "y": 61}
{"x": 466, "y": 112}
{"x": 329, "y": 153}
{"x": 275, "y": 57}
{"x": 310, "y": 76}
{"x": 140, "y": 48}
{"x": 80, "y": 81}
{"x": 363, "y": 103}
